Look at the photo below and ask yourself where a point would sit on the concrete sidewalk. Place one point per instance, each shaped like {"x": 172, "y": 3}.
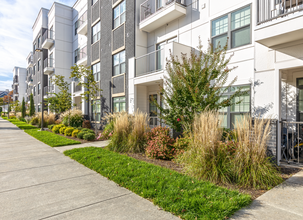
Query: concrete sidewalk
{"x": 38, "y": 182}
{"x": 92, "y": 144}
{"x": 283, "y": 202}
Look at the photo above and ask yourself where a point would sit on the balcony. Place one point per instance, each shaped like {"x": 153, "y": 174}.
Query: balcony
{"x": 156, "y": 13}
{"x": 48, "y": 90}
{"x": 81, "y": 56}
{"x": 151, "y": 66}
{"x": 77, "y": 88}
{"x": 82, "y": 24}
{"x": 30, "y": 60}
{"x": 279, "y": 22}
{"x": 48, "y": 39}
{"x": 15, "y": 80}
{"x": 49, "y": 66}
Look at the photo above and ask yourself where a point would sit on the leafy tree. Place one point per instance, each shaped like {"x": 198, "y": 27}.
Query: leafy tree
{"x": 1, "y": 101}
{"x": 23, "y": 110}
{"x": 31, "y": 105}
{"x": 86, "y": 79}
{"x": 8, "y": 98}
{"x": 62, "y": 101}
{"x": 16, "y": 106}
{"x": 194, "y": 84}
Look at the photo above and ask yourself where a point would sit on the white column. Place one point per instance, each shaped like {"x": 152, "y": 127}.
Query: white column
{"x": 277, "y": 111}
{"x": 131, "y": 87}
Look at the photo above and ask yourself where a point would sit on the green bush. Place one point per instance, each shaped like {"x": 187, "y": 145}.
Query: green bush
{"x": 34, "y": 121}
{"x": 68, "y": 131}
{"x": 12, "y": 117}
{"x": 89, "y": 136}
{"x": 62, "y": 130}
{"x": 22, "y": 119}
{"x": 75, "y": 133}
{"x": 56, "y": 128}
{"x": 50, "y": 127}
{"x": 87, "y": 130}
{"x": 81, "y": 134}
{"x": 79, "y": 128}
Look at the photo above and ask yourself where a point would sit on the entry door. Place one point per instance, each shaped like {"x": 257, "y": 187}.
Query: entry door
{"x": 153, "y": 122}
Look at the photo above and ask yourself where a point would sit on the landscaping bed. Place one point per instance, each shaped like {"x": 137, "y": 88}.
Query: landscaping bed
{"x": 172, "y": 191}
{"x": 285, "y": 173}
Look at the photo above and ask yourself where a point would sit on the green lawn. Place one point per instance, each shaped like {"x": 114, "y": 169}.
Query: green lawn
{"x": 174, "y": 192}
{"x": 46, "y": 137}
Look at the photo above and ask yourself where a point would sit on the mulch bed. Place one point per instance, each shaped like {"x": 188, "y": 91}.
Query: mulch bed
{"x": 255, "y": 193}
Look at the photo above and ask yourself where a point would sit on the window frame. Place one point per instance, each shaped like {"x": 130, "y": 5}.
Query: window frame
{"x": 76, "y": 27}
{"x": 98, "y": 113}
{"x": 38, "y": 88}
{"x": 120, "y": 102}
{"x": 34, "y": 69}
{"x": 229, "y": 30}
{"x": 98, "y": 34}
{"x": 97, "y": 73}
{"x": 120, "y": 15}
{"x": 119, "y": 64}
{"x": 94, "y": 2}
{"x": 34, "y": 91}
{"x": 228, "y": 111}
{"x": 38, "y": 65}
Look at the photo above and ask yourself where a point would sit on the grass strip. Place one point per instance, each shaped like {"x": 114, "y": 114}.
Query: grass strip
{"x": 46, "y": 137}
{"x": 179, "y": 194}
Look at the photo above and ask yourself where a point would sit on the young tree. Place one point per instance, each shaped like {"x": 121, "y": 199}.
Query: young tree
{"x": 194, "y": 84}
{"x": 23, "y": 108}
{"x": 62, "y": 101}
{"x": 31, "y": 105}
{"x": 16, "y": 106}
{"x": 86, "y": 79}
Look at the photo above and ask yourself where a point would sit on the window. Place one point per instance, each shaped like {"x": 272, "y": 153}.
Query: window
{"x": 119, "y": 14}
{"x": 233, "y": 29}
{"x": 51, "y": 33}
{"x": 232, "y": 114}
{"x": 77, "y": 53}
{"x": 34, "y": 48}
{"x": 94, "y": 1}
{"x": 39, "y": 88}
{"x": 38, "y": 65}
{"x": 51, "y": 60}
{"x": 34, "y": 70}
{"x": 96, "y": 32}
{"x": 34, "y": 90}
{"x": 76, "y": 27}
{"x": 152, "y": 106}
{"x": 39, "y": 41}
{"x": 39, "y": 108}
{"x": 96, "y": 110}
{"x": 119, "y": 63}
{"x": 96, "y": 71}
{"x": 119, "y": 104}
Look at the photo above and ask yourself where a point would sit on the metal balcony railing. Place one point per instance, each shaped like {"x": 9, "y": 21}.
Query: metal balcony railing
{"x": 82, "y": 19}
{"x": 268, "y": 10}
{"x": 48, "y": 89}
{"x": 15, "y": 80}
{"x": 77, "y": 88}
{"x": 82, "y": 53}
{"x": 48, "y": 34}
{"x": 152, "y": 62}
{"x": 30, "y": 60}
{"x": 150, "y": 7}
{"x": 49, "y": 62}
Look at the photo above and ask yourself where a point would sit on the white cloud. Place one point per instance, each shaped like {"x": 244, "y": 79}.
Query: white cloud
{"x": 16, "y": 19}
{"x": 7, "y": 84}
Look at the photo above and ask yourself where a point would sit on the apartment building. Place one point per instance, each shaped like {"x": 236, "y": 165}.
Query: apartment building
{"x": 19, "y": 86}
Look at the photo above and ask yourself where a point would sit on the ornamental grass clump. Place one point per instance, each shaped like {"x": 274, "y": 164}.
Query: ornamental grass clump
{"x": 206, "y": 157}
{"x": 137, "y": 138}
{"x": 251, "y": 166}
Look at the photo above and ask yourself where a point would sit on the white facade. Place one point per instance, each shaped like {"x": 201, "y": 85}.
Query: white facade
{"x": 19, "y": 83}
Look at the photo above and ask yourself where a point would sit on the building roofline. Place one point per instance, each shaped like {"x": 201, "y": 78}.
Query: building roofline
{"x": 58, "y": 3}
{"x": 40, "y": 11}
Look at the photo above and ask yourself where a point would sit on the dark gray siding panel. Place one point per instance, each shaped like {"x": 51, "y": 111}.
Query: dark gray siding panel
{"x": 95, "y": 51}
{"x": 114, "y": 1}
{"x": 118, "y": 37}
{"x": 118, "y": 84}
{"x": 95, "y": 11}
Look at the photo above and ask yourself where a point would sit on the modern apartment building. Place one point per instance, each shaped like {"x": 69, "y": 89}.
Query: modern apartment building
{"x": 19, "y": 86}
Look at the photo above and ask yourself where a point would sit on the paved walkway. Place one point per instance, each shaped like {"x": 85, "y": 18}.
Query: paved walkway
{"x": 38, "y": 182}
{"x": 283, "y": 202}
{"x": 93, "y": 144}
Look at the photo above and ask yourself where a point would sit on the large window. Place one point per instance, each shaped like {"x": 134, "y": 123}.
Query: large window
{"x": 39, "y": 108}
{"x": 96, "y": 32}
{"x": 233, "y": 29}
{"x": 38, "y": 65}
{"x": 119, "y": 104}
{"x": 34, "y": 70}
{"x": 96, "y": 71}
{"x": 76, "y": 27}
{"x": 39, "y": 88}
{"x": 119, "y": 63}
{"x": 34, "y": 90}
{"x": 119, "y": 14}
{"x": 39, "y": 42}
{"x": 232, "y": 114}
{"x": 96, "y": 110}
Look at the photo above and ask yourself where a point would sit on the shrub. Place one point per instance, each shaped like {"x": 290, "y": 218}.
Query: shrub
{"x": 22, "y": 119}
{"x": 79, "y": 128}
{"x": 205, "y": 157}
{"x": 50, "y": 127}
{"x": 56, "y": 128}
{"x": 86, "y": 124}
{"x": 34, "y": 120}
{"x": 181, "y": 144}
{"x": 12, "y": 117}
{"x": 81, "y": 134}
{"x": 75, "y": 133}
{"x": 27, "y": 119}
{"x": 89, "y": 136}
{"x": 62, "y": 130}
{"x": 159, "y": 144}
{"x": 87, "y": 130}
{"x": 68, "y": 131}
{"x": 51, "y": 118}
{"x": 59, "y": 121}
{"x": 72, "y": 117}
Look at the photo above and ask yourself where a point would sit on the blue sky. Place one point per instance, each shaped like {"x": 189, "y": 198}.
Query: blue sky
{"x": 16, "y": 20}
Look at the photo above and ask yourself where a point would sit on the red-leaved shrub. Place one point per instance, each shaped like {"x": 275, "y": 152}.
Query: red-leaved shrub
{"x": 159, "y": 144}
{"x": 86, "y": 124}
